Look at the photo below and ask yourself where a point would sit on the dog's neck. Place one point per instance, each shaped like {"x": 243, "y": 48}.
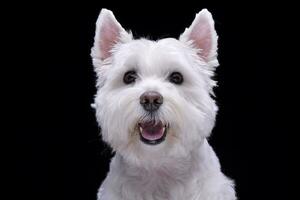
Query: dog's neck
{"x": 179, "y": 170}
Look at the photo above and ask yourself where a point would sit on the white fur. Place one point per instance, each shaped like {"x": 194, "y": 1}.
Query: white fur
{"x": 184, "y": 166}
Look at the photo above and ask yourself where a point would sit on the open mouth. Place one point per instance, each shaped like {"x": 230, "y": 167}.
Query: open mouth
{"x": 152, "y": 133}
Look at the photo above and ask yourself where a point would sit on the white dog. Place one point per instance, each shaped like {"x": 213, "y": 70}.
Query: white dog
{"x": 155, "y": 109}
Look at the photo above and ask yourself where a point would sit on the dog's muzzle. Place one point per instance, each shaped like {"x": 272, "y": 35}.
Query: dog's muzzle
{"x": 152, "y": 132}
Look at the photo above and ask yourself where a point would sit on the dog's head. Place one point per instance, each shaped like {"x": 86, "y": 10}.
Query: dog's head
{"x": 154, "y": 97}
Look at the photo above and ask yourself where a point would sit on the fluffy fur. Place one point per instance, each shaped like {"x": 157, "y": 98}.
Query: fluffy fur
{"x": 184, "y": 166}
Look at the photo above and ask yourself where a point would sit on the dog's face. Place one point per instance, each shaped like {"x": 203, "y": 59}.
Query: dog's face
{"x": 154, "y": 97}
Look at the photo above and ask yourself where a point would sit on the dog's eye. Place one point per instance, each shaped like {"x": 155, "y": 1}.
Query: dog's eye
{"x": 176, "y": 78}
{"x": 129, "y": 77}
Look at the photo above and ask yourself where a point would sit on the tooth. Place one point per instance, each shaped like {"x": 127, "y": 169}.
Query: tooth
{"x": 141, "y": 129}
{"x": 164, "y": 129}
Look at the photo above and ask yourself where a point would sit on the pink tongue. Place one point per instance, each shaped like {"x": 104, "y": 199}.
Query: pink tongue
{"x": 151, "y": 131}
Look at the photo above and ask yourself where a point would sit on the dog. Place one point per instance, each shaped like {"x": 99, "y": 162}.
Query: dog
{"x": 155, "y": 107}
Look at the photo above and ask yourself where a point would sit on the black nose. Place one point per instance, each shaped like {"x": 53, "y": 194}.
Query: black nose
{"x": 151, "y": 100}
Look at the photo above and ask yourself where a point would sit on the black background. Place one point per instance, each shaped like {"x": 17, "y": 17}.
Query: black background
{"x": 58, "y": 154}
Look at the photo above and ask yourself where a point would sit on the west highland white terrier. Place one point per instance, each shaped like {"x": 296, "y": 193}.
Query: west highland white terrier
{"x": 155, "y": 110}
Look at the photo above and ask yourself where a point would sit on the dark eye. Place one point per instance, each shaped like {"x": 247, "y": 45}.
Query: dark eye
{"x": 129, "y": 77}
{"x": 176, "y": 78}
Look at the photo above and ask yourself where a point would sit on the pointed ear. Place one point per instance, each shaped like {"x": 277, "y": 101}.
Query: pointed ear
{"x": 108, "y": 33}
{"x": 203, "y": 35}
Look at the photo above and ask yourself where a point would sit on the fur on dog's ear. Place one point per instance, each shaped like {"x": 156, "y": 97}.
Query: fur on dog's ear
{"x": 109, "y": 32}
{"x": 202, "y": 35}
